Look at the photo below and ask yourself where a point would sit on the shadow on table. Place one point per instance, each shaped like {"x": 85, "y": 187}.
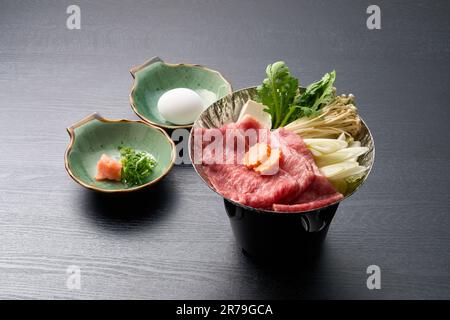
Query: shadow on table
{"x": 286, "y": 278}
{"x": 129, "y": 212}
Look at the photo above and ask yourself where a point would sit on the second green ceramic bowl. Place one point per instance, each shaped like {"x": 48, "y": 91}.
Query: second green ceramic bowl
{"x": 155, "y": 77}
{"x": 95, "y": 135}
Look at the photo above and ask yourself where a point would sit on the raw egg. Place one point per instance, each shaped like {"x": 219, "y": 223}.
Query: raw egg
{"x": 180, "y": 106}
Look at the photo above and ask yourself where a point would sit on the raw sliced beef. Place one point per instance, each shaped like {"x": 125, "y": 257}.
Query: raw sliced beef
{"x": 236, "y": 182}
{"x": 297, "y": 186}
{"x": 319, "y": 193}
{"x": 245, "y": 186}
{"x": 294, "y": 160}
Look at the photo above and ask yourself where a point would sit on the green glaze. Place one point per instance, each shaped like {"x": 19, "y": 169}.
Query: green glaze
{"x": 96, "y": 136}
{"x": 155, "y": 77}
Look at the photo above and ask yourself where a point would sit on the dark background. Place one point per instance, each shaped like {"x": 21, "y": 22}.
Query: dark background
{"x": 174, "y": 240}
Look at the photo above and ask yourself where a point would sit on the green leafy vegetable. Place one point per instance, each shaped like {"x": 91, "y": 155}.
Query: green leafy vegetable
{"x": 309, "y": 103}
{"x": 136, "y": 166}
{"x": 317, "y": 95}
{"x": 278, "y": 91}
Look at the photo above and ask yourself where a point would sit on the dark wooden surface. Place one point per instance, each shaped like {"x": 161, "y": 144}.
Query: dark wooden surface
{"x": 174, "y": 241}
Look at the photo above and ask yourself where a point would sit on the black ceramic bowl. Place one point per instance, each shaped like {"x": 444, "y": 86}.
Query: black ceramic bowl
{"x": 263, "y": 233}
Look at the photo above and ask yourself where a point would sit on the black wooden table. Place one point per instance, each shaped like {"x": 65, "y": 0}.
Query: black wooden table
{"x": 174, "y": 240}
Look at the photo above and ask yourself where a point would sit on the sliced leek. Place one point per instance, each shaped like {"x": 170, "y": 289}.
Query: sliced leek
{"x": 340, "y": 156}
{"x": 337, "y": 159}
{"x": 326, "y": 146}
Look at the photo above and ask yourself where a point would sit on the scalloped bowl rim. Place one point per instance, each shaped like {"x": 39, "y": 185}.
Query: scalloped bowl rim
{"x": 143, "y": 66}
{"x": 96, "y": 116}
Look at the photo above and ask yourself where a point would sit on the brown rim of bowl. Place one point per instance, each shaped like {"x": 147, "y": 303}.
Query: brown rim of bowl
{"x": 138, "y": 68}
{"x": 97, "y": 116}
{"x": 270, "y": 212}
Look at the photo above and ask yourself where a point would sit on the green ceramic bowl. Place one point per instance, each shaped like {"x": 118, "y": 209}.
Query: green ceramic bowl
{"x": 95, "y": 135}
{"x": 155, "y": 77}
